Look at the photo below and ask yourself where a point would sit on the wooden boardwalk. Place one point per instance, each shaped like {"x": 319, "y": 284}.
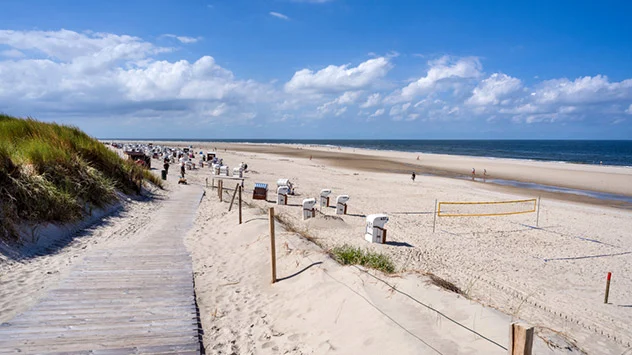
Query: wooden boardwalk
{"x": 133, "y": 300}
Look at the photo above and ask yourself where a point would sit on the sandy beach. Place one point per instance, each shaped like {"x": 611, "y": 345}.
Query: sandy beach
{"x": 551, "y": 276}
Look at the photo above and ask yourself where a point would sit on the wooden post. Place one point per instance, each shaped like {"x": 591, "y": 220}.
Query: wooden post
{"x": 272, "y": 244}
{"x": 537, "y": 219}
{"x": 240, "y": 204}
{"x": 434, "y": 222}
{"x": 233, "y": 199}
{"x": 605, "y": 300}
{"x": 520, "y": 339}
{"x": 206, "y": 182}
{"x": 220, "y": 190}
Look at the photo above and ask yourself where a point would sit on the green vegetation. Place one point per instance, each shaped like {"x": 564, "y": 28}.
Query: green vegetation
{"x": 55, "y": 173}
{"x": 348, "y": 255}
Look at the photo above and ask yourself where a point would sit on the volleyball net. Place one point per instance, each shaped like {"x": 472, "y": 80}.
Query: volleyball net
{"x": 481, "y": 209}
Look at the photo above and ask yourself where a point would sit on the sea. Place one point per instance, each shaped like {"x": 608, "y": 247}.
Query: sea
{"x": 597, "y": 152}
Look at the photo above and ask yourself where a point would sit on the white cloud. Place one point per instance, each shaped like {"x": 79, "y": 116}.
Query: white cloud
{"x": 378, "y": 112}
{"x": 596, "y": 89}
{"x": 61, "y": 74}
{"x": 491, "y": 90}
{"x": 67, "y": 45}
{"x": 12, "y": 53}
{"x": 442, "y": 74}
{"x": 372, "y": 100}
{"x": 348, "y": 97}
{"x": 339, "y": 78}
{"x": 279, "y": 15}
{"x": 340, "y": 111}
{"x": 183, "y": 39}
{"x": 97, "y": 74}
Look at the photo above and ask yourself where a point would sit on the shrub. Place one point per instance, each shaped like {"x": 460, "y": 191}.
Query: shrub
{"x": 55, "y": 173}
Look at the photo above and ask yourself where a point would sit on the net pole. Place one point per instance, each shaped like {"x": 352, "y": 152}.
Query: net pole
{"x": 434, "y": 222}
{"x": 537, "y": 218}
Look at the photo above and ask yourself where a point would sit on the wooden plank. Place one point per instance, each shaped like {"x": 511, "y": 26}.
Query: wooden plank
{"x": 119, "y": 301}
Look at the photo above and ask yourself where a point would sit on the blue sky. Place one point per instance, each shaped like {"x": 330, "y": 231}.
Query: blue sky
{"x": 321, "y": 68}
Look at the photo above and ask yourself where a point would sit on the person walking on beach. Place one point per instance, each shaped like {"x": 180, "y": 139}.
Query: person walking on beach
{"x": 166, "y": 167}
{"x": 484, "y": 175}
{"x": 413, "y": 176}
{"x": 182, "y": 169}
{"x": 473, "y": 174}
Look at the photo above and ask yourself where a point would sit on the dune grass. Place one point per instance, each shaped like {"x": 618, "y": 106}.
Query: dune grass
{"x": 56, "y": 173}
{"x": 348, "y": 255}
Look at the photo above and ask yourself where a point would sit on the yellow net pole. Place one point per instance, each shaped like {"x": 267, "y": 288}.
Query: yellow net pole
{"x": 434, "y": 223}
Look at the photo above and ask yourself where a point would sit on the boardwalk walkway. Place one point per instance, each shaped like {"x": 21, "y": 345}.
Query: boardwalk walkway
{"x": 133, "y": 300}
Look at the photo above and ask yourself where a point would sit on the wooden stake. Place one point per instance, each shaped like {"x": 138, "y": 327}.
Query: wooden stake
{"x": 520, "y": 339}
{"x": 537, "y": 220}
{"x": 605, "y": 300}
{"x": 220, "y": 190}
{"x": 233, "y": 199}
{"x": 240, "y": 204}
{"x": 434, "y": 222}
{"x": 272, "y": 243}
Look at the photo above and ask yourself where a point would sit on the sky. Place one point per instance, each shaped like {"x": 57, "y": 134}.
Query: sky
{"x": 321, "y": 69}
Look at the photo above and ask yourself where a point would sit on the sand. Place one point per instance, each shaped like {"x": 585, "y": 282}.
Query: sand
{"x": 318, "y": 306}
{"x": 506, "y": 268}
{"x": 504, "y": 262}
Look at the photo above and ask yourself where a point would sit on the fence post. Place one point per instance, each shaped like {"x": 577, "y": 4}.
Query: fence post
{"x": 605, "y": 300}
{"x": 233, "y": 199}
{"x": 272, "y": 243}
{"x": 434, "y": 222}
{"x": 520, "y": 339}
{"x": 537, "y": 219}
{"x": 240, "y": 204}
{"x": 220, "y": 190}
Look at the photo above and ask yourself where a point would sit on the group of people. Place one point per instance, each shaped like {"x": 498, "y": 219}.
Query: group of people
{"x": 166, "y": 167}
{"x": 413, "y": 175}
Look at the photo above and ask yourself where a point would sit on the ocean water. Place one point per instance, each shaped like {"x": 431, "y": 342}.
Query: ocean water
{"x": 604, "y": 152}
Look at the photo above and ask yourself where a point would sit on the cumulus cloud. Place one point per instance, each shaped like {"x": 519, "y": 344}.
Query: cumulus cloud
{"x": 595, "y": 89}
{"x": 443, "y": 73}
{"x": 372, "y": 100}
{"x": 339, "y": 78}
{"x": 85, "y": 74}
{"x": 348, "y": 97}
{"x": 279, "y": 15}
{"x": 493, "y": 89}
{"x": 97, "y": 73}
{"x": 378, "y": 112}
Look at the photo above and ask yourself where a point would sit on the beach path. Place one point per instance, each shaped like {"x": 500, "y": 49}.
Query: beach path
{"x": 126, "y": 300}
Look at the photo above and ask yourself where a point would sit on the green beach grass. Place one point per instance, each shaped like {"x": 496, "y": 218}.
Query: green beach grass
{"x": 52, "y": 173}
{"x": 348, "y": 255}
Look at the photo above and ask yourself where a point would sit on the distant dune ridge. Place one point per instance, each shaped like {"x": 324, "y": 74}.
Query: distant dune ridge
{"x": 51, "y": 173}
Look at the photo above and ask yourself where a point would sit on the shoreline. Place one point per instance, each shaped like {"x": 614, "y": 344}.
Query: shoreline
{"x": 442, "y": 165}
{"x": 611, "y": 182}
{"x": 331, "y": 146}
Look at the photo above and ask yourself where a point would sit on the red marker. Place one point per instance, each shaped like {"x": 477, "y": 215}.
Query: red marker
{"x": 605, "y": 300}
